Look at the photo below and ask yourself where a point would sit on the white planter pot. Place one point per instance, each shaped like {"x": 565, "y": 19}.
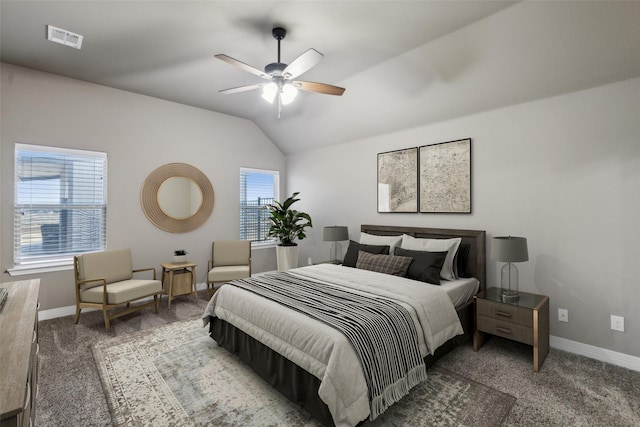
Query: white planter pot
{"x": 179, "y": 258}
{"x": 287, "y": 257}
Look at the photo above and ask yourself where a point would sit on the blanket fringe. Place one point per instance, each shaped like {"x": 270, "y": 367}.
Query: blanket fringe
{"x": 397, "y": 390}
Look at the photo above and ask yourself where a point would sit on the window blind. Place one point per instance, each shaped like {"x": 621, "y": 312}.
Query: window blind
{"x": 258, "y": 188}
{"x": 60, "y": 203}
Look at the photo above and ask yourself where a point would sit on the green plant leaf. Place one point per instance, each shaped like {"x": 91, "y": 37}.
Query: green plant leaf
{"x": 287, "y": 224}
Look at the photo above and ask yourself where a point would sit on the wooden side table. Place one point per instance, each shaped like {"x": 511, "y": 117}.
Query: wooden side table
{"x": 179, "y": 278}
{"x": 525, "y": 320}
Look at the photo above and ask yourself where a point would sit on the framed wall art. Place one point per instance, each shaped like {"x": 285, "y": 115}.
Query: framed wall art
{"x": 398, "y": 181}
{"x": 445, "y": 177}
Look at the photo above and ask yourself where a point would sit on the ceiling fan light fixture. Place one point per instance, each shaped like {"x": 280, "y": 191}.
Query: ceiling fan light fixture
{"x": 269, "y": 92}
{"x": 288, "y": 93}
{"x": 282, "y": 84}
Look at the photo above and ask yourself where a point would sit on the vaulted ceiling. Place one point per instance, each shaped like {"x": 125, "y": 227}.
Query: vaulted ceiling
{"x": 403, "y": 63}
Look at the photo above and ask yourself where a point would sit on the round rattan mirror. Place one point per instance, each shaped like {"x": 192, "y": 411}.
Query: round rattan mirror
{"x": 177, "y": 197}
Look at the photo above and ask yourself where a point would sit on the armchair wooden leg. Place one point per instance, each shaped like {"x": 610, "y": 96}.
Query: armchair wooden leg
{"x": 77, "y": 314}
{"x": 155, "y": 299}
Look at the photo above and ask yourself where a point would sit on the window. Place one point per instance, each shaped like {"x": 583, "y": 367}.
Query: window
{"x": 60, "y": 206}
{"x": 258, "y": 188}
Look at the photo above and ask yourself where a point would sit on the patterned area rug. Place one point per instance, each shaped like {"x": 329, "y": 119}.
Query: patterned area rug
{"x": 177, "y": 375}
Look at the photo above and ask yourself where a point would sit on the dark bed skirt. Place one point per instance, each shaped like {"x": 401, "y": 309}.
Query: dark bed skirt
{"x": 292, "y": 381}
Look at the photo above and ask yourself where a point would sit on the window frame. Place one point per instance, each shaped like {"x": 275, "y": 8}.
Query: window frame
{"x": 276, "y": 195}
{"x": 63, "y": 260}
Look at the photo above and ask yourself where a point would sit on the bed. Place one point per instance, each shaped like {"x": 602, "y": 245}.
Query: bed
{"x": 306, "y": 360}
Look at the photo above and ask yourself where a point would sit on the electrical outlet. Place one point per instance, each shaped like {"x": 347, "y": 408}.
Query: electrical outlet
{"x": 617, "y": 323}
{"x": 563, "y": 315}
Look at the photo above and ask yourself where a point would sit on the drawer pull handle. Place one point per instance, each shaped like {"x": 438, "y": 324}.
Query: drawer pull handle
{"x": 503, "y": 330}
{"x": 503, "y": 313}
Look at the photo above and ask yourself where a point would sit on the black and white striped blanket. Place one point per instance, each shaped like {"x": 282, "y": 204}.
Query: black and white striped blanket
{"x": 381, "y": 331}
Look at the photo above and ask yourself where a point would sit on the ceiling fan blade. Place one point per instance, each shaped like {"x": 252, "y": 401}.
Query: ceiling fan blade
{"x": 319, "y": 88}
{"x": 302, "y": 64}
{"x": 242, "y": 66}
{"x": 242, "y": 88}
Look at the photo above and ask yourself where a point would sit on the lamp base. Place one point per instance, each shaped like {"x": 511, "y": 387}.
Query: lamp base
{"x": 509, "y": 283}
{"x": 510, "y": 297}
{"x": 335, "y": 253}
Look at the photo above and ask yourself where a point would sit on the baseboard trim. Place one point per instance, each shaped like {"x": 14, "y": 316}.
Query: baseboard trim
{"x": 71, "y": 309}
{"x": 597, "y": 353}
{"x": 58, "y": 312}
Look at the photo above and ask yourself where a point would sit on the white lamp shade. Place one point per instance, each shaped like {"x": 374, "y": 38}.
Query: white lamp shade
{"x": 269, "y": 92}
{"x": 509, "y": 249}
{"x": 288, "y": 93}
{"x": 335, "y": 233}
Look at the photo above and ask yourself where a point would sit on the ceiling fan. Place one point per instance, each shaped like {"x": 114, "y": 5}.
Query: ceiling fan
{"x": 281, "y": 84}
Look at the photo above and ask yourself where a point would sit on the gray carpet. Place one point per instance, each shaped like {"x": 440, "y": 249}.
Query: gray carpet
{"x": 569, "y": 389}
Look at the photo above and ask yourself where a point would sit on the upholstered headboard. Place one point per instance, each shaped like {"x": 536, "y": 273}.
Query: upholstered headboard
{"x": 474, "y": 239}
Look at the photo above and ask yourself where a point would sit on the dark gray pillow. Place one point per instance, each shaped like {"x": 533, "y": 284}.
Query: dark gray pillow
{"x": 425, "y": 265}
{"x": 388, "y": 264}
{"x": 351, "y": 257}
{"x": 461, "y": 263}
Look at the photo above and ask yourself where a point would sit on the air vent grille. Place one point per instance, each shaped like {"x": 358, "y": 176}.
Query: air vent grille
{"x": 64, "y": 37}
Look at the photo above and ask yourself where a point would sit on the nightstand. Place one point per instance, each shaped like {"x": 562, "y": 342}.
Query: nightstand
{"x": 525, "y": 320}
{"x": 179, "y": 278}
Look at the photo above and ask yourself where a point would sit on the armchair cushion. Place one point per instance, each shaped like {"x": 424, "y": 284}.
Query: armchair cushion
{"x": 228, "y": 273}
{"x": 122, "y": 292}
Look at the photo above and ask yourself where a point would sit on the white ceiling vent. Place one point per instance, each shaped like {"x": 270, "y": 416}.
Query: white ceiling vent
{"x": 67, "y": 38}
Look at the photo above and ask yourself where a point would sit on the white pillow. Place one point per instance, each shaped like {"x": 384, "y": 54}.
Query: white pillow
{"x": 435, "y": 245}
{"x": 372, "y": 239}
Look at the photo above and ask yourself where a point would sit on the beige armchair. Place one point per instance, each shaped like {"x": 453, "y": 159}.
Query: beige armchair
{"x": 104, "y": 281}
{"x": 230, "y": 260}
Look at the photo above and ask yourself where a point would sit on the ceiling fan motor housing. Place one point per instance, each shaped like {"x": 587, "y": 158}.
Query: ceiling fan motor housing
{"x": 275, "y": 68}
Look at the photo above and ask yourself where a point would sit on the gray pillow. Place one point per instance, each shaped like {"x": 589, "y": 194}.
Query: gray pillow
{"x": 388, "y": 264}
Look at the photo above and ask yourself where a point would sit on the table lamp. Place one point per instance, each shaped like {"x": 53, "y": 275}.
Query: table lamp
{"x": 509, "y": 249}
{"x": 335, "y": 234}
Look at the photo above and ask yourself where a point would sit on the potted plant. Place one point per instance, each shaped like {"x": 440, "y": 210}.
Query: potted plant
{"x": 287, "y": 225}
{"x": 179, "y": 255}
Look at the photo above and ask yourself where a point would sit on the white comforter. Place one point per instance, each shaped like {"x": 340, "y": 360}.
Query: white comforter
{"x": 323, "y": 351}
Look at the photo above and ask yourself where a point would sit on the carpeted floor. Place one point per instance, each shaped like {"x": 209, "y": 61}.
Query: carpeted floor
{"x": 569, "y": 389}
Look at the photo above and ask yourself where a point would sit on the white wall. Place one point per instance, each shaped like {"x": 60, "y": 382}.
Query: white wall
{"x": 564, "y": 172}
{"x": 139, "y": 133}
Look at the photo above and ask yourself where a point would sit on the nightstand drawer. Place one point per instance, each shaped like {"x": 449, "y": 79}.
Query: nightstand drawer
{"x": 505, "y": 329}
{"x": 508, "y": 313}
